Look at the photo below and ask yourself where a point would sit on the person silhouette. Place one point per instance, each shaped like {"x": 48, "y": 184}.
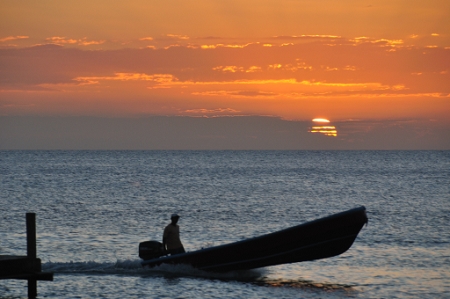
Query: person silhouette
{"x": 171, "y": 237}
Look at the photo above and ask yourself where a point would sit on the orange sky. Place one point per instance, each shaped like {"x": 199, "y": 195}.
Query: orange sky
{"x": 297, "y": 60}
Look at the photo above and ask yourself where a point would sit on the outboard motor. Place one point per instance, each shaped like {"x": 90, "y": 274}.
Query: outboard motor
{"x": 150, "y": 250}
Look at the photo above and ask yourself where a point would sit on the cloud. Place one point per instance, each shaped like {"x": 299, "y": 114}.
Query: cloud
{"x": 215, "y": 133}
{"x": 159, "y": 78}
{"x": 209, "y": 38}
{"x": 10, "y": 38}
{"x": 175, "y": 37}
{"x": 85, "y": 42}
{"x": 60, "y": 40}
{"x": 236, "y": 94}
{"x": 234, "y": 69}
{"x": 233, "y": 46}
{"x": 291, "y": 67}
{"x": 307, "y": 36}
{"x": 214, "y": 112}
{"x": 289, "y": 81}
{"x": 167, "y": 41}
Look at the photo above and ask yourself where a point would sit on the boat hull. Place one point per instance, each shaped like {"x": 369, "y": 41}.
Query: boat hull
{"x": 318, "y": 239}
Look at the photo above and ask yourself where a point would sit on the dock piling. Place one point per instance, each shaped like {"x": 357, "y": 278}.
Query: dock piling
{"x": 31, "y": 251}
{"x": 31, "y": 235}
{"x": 25, "y": 267}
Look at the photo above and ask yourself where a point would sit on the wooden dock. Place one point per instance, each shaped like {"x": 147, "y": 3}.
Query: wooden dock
{"x": 25, "y": 267}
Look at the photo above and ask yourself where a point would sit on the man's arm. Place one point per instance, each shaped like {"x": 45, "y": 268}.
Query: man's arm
{"x": 164, "y": 240}
{"x": 164, "y": 244}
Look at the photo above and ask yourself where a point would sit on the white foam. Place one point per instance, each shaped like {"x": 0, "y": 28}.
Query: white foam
{"x": 132, "y": 267}
{"x": 120, "y": 266}
{"x": 186, "y": 270}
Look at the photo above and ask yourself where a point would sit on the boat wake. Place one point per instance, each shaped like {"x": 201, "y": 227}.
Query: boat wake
{"x": 119, "y": 267}
{"x": 134, "y": 268}
{"x": 259, "y": 277}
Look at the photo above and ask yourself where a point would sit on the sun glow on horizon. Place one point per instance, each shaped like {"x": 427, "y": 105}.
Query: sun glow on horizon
{"x": 326, "y": 130}
{"x": 320, "y": 120}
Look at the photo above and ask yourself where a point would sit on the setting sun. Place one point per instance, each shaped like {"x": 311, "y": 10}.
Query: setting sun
{"x": 320, "y": 120}
{"x": 327, "y": 130}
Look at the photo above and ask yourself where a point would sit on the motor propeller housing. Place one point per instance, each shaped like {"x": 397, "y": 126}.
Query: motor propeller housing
{"x": 150, "y": 250}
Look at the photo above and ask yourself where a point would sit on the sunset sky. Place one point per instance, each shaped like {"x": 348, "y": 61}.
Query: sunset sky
{"x": 372, "y": 68}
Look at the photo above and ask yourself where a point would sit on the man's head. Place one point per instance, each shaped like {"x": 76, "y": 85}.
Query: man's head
{"x": 174, "y": 218}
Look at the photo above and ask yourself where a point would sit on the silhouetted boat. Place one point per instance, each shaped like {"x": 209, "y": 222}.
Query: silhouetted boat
{"x": 318, "y": 239}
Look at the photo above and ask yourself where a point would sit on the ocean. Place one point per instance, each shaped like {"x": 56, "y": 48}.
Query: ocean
{"x": 94, "y": 207}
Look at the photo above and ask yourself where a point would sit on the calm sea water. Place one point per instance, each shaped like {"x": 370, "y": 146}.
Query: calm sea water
{"x": 94, "y": 207}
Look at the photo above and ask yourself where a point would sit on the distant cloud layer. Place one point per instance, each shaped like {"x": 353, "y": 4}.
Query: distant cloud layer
{"x": 219, "y": 133}
{"x": 297, "y": 77}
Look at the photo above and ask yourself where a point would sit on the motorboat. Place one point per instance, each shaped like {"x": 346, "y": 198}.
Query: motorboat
{"x": 318, "y": 239}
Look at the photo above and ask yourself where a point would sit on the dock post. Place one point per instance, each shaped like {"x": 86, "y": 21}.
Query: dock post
{"x": 31, "y": 251}
{"x": 27, "y": 267}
